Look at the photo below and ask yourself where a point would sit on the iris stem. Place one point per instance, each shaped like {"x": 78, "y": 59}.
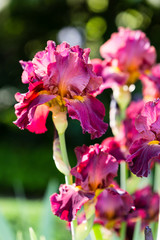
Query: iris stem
{"x": 68, "y": 178}
{"x": 137, "y": 230}
{"x": 158, "y": 233}
{"x": 157, "y": 189}
{"x": 157, "y": 178}
{"x": 123, "y": 175}
{"x": 123, "y": 231}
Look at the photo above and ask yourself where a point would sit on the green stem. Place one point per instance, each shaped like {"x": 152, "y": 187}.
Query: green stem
{"x": 123, "y": 231}
{"x": 123, "y": 175}
{"x": 157, "y": 189}
{"x": 68, "y": 178}
{"x": 73, "y": 229}
{"x": 137, "y": 230}
{"x": 157, "y": 178}
{"x": 158, "y": 232}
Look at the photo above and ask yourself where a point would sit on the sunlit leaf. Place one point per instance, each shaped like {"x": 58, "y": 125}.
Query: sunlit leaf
{"x": 47, "y": 224}
{"x": 32, "y": 234}
{"x": 5, "y": 230}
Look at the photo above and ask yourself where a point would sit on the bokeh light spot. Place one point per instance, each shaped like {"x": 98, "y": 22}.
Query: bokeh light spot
{"x": 154, "y": 3}
{"x": 3, "y": 4}
{"x": 95, "y": 28}
{"x": 97, "y": 5}
{"x": 130, "y": 18}
{"x": 70, "y": 35}
{"x": 7, "y": 96}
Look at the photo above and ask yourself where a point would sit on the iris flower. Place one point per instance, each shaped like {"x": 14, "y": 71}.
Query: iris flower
{"x": 145, "y": 149}
{"x": 60, "y": 80}
{"x": 126, "y": 55}
{"x": 151, "y": 83}
{"x": 94, "y": 172}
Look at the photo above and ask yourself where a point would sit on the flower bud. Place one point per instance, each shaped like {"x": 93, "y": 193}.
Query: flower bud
{"x": 60, "y": 119}
{"x": 122, "y": 96}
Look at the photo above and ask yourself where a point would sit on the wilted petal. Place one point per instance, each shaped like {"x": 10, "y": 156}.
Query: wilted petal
{"x": 90, "y": 112}
{"x": 66, "y": 204}
{"x": 95, "y": 169}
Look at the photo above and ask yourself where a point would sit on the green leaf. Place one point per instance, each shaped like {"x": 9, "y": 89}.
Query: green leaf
{"x": 123, "y": 231}
{"x": 42, "y": 238}
{"x": 84, "y": 228}
{"x": 137, "y": 230}
{"x": 32, "y": 234}
{"x": 47, "y": 222}
{"x": 19, "y": 235}
{"x": 5, "y": 230}
{"x": 97, "y": 232}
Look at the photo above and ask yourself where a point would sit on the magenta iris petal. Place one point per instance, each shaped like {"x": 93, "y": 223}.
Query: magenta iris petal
{"x": 66, "y": 204}
{"x": 146, "y": 207}
{"x": 142, "y": 155}
{"x": 146, "y": 148}
{"x": 90, "y": 113}
{"x": 114, "y": 148}
{"x": 111, "y": 77}
{"x": 95, "y": 169}
{"x": 122, "y": 46}
{"x": 43, "y": 58}
{"x": 26, "y": 111}
{"x": 38, "y": 121}
{"x": 151, "y": 83}
{"x": 28, "y": 75}
{"x": 113, "y": 204}
{"x": 64, "y": 73}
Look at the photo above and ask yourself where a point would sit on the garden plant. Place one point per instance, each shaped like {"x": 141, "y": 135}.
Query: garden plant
{"x": 98, "y": 200}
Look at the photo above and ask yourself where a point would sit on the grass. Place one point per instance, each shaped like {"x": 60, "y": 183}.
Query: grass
{"x": 18, "y": 215}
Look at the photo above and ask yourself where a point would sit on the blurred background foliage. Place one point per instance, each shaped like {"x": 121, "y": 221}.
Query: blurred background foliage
{"x": 25, "y": 27}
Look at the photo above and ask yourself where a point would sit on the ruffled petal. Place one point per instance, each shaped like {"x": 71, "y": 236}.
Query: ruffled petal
{"x": 90, "y": 112}
{"x": 149, "y": 117}
{"x": 38, "y": 123}
{"x": 142, "y": 154}
{"x": 113, "y": 204}
{"x": 43, "y": 58}
{"x": 151, "y": 83}
{"x": 74, "y": 76}
{"x": 122, "y": 46}
{"x": 28, "y": 75}
{"x": 95, "y": 169}
{"x": 66, "y": 204}
{"x": 28, "y": 116}
{"x": 114, "y": 148}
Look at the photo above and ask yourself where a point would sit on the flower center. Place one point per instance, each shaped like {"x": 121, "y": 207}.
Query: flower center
{"x": 154, "y": 142}
{"x": 133, "y": 74}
